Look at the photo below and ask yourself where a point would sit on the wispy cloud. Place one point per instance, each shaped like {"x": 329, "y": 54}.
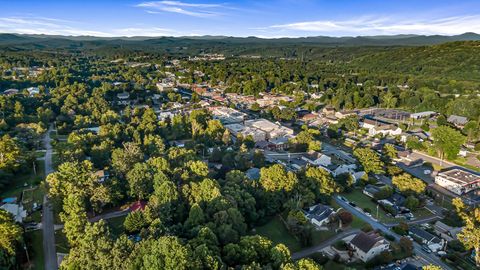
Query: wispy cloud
{"x": 384, "y": 25}
{"x": 201, "y": 10}
{"x": 52, "y": 26}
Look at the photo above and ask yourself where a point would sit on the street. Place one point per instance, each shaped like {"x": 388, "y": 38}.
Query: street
{"x": 47, "y": 217}
{"x": 431, "y": 258}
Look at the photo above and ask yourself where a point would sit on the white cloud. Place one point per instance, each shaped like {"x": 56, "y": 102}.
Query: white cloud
{"x": 190, "y": 9}
{"x": 51, "y": 26}
{"x": 385, "y": 25}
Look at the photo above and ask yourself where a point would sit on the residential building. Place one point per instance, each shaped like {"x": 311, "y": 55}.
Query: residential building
{"x": 420, "y": 115}
{"x": 446, "y": 232}
{"x": 33, "y": 91}
{"x": 345, "y": 114}
{"x": 344, "y": 168}
{"x": 16, "y": 210}
{"x": 123, "y": 98}
{"x": 253, "y": 173}
{"x": 458, "y": 181}
{"x": 370, "y": 190}
{"x": 317, "y": 159}
{"x": 164, "y": 86}
{"x": 319, "y": 214}
{"x": 102, "y": 175}
{"x": 458, "y": 121}
{"x": 431, "y": 241}
{"x": 10, "y": 92}
{"x": 376, "y": 126}
{"x": 368, "y": 245}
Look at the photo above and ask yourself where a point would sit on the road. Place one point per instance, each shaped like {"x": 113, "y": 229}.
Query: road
{"x": 430, "y": 257}
{"x": 47, "y": 217}
{"x": 312, "y": 250}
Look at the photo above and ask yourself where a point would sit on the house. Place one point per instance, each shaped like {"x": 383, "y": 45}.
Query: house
{"x": 446, "y": 232}
{"x": 368, "y": 245}
{"x": 317, "y": 159}
{"x": 328, "y": 110}
{"x": 457, "y": 180}
{"x": 426, "y": 238}
{"x": 458, "y": 121}
{"x": 164, "y": 86}
{"x": 10, "y": 92}
{"x": 16, "y": 210}
{"x": 253, "y": 173}
{"x": 375, "y": 127}
{"x": 33, "y": 91}
{"x": 420, "y": 115}
{"x": 370, "y": 190}
{"x": 280, "y": 143}
{"x": 344, "y": 168}
{"x": 123, "y": 98}
{"x": 102, "y": 175}
{"x": 319, "y": 214}
{"x": 345, "y": 114}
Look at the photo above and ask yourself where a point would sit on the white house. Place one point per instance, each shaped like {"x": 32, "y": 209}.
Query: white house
{"x": 16, "y": 210}
{"x": 319, "y": 214}
{"x": 379, "y": 127}
{"x": 458, "y": 181}
{"x": 317, "y": 159}
{"x": 368, "y": 245}
{"x": 33, "y": 91}
{"x": 344, "y": 168}
{"x": 434, "y": 243}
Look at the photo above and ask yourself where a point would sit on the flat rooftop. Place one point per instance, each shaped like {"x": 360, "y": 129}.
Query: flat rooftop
{"x": 459, "y": 176}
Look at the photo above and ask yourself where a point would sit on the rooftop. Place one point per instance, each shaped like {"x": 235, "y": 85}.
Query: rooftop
{"x": 365, "y": 241}
{"x": 459, "y": 176}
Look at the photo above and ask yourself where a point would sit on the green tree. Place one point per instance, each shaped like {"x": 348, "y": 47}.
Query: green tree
{"x": 140, "y": 181}
{"x": 10, "y": 235}
{"x": 447, "y": 141}
{"x": 10, "y": 154}
{"x": 369, "y": 159}
{"x": 470, "y": 234}
{"x": 408, "y": 184}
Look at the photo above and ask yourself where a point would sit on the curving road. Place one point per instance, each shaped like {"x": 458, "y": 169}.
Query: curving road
{"x": 429, "y": 257}
{"x": 47, "y": 217}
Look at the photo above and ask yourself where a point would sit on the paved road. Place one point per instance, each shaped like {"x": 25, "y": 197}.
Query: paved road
{"x": 47, "y": 217}
{"x": 430, "y": 257}
{"x": 324, "y": 244}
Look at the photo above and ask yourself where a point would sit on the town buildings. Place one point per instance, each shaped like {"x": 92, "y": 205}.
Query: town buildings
{"x": 458, "y": 181}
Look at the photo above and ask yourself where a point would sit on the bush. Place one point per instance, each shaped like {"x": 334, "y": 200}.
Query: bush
{"x": 367, "y": 228}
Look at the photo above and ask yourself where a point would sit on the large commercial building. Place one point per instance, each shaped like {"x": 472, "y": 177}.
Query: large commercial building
{"x": 458, "y": 181}
{"x": 227, "y": 115}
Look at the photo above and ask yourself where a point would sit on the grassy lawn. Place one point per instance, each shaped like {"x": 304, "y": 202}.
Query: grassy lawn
{"x": 19, "y": 181}
{"x": 61, "y": 242}
{"x": 320, "y": 236}
{"x": 35, "y": 249}
{"x": 276, "y": 231}
{"x": 116, "y": 225}
{"x": 363, "y": 201}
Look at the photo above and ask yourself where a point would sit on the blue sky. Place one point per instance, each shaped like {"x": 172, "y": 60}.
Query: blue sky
{"x": 262, "y": 18}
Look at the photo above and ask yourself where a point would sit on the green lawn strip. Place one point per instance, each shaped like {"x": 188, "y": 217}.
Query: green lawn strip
{"x": 35, "y": 249}
{"x": 276, "y": 231}
{"x": 61, "y": 242}
{"x": 363, "y": 201}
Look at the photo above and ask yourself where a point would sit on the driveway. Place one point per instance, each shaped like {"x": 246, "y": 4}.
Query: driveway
{"x": 324, "y": 244}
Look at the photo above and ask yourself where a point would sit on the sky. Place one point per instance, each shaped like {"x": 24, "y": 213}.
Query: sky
{"x": 261, "y": 18}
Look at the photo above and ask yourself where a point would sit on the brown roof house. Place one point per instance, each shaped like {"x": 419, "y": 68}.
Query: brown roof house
{"x": 368, "y": 245}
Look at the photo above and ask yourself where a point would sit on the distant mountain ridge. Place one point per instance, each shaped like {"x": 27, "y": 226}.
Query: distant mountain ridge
{"x": 381, "y": 40}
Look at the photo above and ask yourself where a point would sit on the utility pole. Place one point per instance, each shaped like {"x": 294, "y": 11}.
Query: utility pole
{"x": 377, "y": 211}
